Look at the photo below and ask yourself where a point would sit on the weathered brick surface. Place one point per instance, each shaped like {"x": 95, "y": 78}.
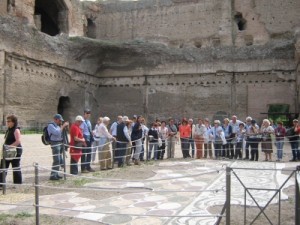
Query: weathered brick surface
{"x": 160, "y": 58}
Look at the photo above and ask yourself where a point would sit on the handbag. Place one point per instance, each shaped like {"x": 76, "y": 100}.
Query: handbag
{"x": 9, "y": 152}
{"x": 159, "y": 142}
{"x": 78, "y": 144}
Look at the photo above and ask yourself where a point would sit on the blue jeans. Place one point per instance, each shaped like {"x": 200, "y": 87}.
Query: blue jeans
{"x": 185, "y": 147}
{"x": 279, "y": 146}
{"x": 192, "y": 144}
{"x": 218, "y": 149}
{"x": 86, "y": 156}
{"x": 57, "y": 158}
{"x": 295, "y": 149}
{"x": 152, "y": 145}
{"x": 120, "y": 153}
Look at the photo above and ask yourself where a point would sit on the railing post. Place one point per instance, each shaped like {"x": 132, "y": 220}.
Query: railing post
{"x": 3, "y": 162}
{"x": 64, "y": 157}
{"x": 297, "y": 197}
{"x": 228, "y": 190}
{"x": 147, "y": 147}
{"x": 36, "y": 187}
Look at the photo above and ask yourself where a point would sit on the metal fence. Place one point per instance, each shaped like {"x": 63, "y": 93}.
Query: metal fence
{"x": 277, "y": 191}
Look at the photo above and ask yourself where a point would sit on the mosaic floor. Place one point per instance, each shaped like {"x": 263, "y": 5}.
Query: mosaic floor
{"x": 179, "y": 193}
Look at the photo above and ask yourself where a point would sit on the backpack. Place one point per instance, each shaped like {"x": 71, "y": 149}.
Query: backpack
{"x": 290, "y": 133}
{"x": 45, "y": 136}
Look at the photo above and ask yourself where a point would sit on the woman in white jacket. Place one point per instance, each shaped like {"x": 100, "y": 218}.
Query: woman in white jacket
{"x": 199, "y": 133}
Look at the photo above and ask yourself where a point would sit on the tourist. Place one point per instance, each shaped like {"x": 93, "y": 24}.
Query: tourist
{"x": 199, "y": 138}
{"x": 105, "y": 153}
{"x": 207, "y": 139}
{"x": 128, "y": 153}
{"x": 123, "y": 138}
{"x": 227, "y": 149}
{"x": 172, "y": 132}
{"x": 234, "y": 123}
{"x": 12, "y": 141}
{"x": 153, "y": 141}
{"x": 253, "y": 139}
{"x": 247, "y": 144}
{"x": 280, "y": 132}
{"x": 163, "y": 135}
{"x": 86, "y": 127}
{"x": 136, "y": 137}
{"x": 191, "y": 139}
{"x": 185, "y": 131}
{"x": 145, "y": 134}
{"x": 56, "y": 141}
{"x": 113, "y": 132}
{"x": 266, "y": 143}
{"x": 293, "y": 135}
{"x": 77, "y": 142}
{"x": 216, "y": 135}
{"x": 240, "y": 137}
{"x": 96, "y": 142}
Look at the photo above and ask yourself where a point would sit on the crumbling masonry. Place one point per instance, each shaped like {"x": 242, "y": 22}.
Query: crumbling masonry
{"x": 158, "y": 58}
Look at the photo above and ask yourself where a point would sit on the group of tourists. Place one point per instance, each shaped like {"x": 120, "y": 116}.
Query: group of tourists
{"x": 233, "y": 138}
{"x": 130, "y": 140}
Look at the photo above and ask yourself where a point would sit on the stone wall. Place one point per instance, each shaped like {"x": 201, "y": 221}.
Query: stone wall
{"x": 32, "y": 89}
{"x": 25, "y": 9}
{"x": 198, "y": 95}
{"x": 179, "y": 23}
{"x": 198, "y": 23}
{"x": 193, "y": 70}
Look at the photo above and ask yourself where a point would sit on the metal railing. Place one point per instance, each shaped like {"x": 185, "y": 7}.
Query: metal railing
{"x": 277, "y": 191}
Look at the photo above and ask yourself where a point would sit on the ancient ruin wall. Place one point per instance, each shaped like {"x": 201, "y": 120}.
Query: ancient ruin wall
{"x": 130, "y": 78}
{"x": 177, "y": 23}
{"x": 197, "y": 23}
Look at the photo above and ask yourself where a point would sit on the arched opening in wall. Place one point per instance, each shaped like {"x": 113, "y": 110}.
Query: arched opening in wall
{"x": 91, "y": 28}
{"x": 53, "y": 16}
{"x": 240, "y": 21}
{"x": 64, "y": 107}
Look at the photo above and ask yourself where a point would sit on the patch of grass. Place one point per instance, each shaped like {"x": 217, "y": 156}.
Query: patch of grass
{"x": 4, "y": 217}
{"x": 80, "y": 182}
{"x": 23, "y": 215}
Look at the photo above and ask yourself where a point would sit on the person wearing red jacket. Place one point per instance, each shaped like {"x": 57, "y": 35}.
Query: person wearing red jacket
{"x": 77, "y": 142}
{"x": 185, "y": 131}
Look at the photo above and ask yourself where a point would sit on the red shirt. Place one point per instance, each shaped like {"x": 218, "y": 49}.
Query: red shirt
{"x": 185, "y": 131}
{"x": 75, "y": 131}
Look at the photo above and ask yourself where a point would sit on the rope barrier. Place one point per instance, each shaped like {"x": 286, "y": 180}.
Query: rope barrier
{"x": 135, "y": 181}
{"x": 132, "y": 214}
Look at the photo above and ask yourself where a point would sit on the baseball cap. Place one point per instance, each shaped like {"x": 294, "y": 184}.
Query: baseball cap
{"x": 79, "y": 118}
{"x": 87, "y": 111}
{"x": 295, "y": 120}
{"x": 58, "y": 117}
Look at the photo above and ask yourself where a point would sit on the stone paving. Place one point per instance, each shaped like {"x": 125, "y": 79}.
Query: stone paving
{"x": 179, "y": 192}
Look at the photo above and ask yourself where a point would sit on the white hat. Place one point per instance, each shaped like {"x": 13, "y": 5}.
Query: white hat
{"x": 106, "y": 119}
{"x": 125, "y": 119}
{"x": 79, "y": 118}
